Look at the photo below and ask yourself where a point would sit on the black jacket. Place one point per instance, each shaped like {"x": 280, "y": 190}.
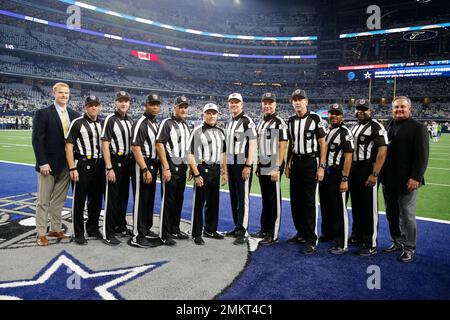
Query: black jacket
{"x": 48, "y": 138}
{"x": 407, "y": 154}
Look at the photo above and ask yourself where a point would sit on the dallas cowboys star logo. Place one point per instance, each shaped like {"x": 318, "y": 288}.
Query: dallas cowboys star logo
{"x": 367, "y": 75}
{"x": 64, "y": 277}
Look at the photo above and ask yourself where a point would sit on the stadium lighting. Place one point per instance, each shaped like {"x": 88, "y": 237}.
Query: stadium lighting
{"x": 150, "y": 44}
{"x": 180, "y": 29}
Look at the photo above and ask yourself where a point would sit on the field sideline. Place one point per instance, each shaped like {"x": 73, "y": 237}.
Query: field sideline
{"x": 433, "y": 200}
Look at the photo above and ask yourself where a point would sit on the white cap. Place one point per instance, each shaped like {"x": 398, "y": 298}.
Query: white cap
{"x": 210, "y": 106}
{"x": 235, "y": 96}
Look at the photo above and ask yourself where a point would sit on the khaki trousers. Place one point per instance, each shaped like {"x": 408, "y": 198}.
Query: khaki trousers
{"x": 52, "y": 193}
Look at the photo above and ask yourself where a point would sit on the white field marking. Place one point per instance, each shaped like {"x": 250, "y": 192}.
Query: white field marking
{"x": 15, "y": 145}
{"x": 284, "y": 199}
{"x": 438, "y": 168}
{"x": 441, "y": 159}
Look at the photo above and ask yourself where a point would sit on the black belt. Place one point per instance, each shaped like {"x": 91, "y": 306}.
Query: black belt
{"x": 305, "y": 156}
{"x": 203, "y": 163}
{"x": 355, "y": 163}
{"x": 86, "y": 158}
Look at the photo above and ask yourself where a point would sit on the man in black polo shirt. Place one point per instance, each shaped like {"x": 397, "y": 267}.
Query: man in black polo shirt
{"x": 145, "y": 172}
{"x": 207, "y": 159}
{"x": 335, "y": 183}
{"x": 305, "y": 168}
{"x": 241, "y": 148}
{"x": 86, "y": 168}
{"x": 171, "y": 145}
{"x": 368, "y": 159}
{"x": 272, "y": 143}
{"x": 116, "y": 146}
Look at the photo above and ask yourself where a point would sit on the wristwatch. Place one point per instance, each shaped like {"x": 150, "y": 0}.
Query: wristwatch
{"x": 375, "y": 174}
{"x": 344, "y": 178}
{"x": 322, "y": 165}
{"x": 247, "y": 165}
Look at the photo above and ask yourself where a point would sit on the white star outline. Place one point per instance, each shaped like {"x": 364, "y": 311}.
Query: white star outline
{"x": 64, "y": 259}
{"x": 367, "y": 75}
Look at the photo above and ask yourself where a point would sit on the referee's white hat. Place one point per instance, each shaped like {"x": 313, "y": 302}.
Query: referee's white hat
{"x": 235, "y": 95}
{"x": 210, "y": 106}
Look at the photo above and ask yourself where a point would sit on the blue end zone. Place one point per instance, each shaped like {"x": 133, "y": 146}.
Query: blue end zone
{"x": 282, "y": 272}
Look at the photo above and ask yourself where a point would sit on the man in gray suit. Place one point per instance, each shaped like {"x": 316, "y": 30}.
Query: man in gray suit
{"x": 50, "y": 126}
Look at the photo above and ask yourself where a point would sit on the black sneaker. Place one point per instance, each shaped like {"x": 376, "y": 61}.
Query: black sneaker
{"x": 268, "y": 240}
{"x": 406, "y": 256}
{"x": 180, "y": 235}
{"x": 81, "y": 241}
{"x": 337, "y": 250}
{"x": 240, "y": 240}
{"x": 169, "y": 241}
{"x": 151, "y": 235}
{"x": 213, "y": 235}
{"x": 260, "y": 234}
{"x": 123, "y": 231}
{"x": 394, "y": 247}
{"x": 309, "y": 249}
{"x": 199, "y": 241}
{"x": 366, "y": 251}
{"x": 232, "y": 233}
{"x": 112, "y": 241}
{"x": 95, "y": 235}
{"x": 296, "y": 239}
{"x": 140, "y": 243}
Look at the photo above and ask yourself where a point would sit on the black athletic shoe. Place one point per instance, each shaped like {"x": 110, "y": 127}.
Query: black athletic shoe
{"x": 81, "y": 241}
{"x": 213, "y": 235}
{"x": 151, "y": 234}
{"x": 240, "y": 240}
{"x": 366, "y": 251}
{"x": 140, "y": 243}
{"x": 113, "y": 241}
{"x": 199, "y": 241}
{"x": 180, "y": 235}
{"x": 309, "y": 249}
{"x": 337, "y": 250}
{"x": 296, "y": 239}
{"x": 169, "y": 241}
{"x": 406, "y": 256}
{"x": 394, "y": 247}
{"x": 232, "y": 233}
{"x": 268, "y": 240}
{"x": 260, "y": 234}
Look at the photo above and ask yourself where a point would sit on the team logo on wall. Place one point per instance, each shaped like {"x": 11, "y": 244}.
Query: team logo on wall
{"x": 421, "y": 35}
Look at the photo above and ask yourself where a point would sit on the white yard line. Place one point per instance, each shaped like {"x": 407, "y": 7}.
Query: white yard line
{"x": 15, "y": 145}
{"x": 438, "y": 168}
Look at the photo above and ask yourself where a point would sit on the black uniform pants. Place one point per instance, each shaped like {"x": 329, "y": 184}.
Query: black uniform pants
{"x": 172, "y": 200}
{"x": 206, "y": 197}
{"x": 364, "y": 204}
{"x": 89, "y": 187}
{"x": 333, "y": 208}
{"x": 144, "y": 199}
{"x": 239, "y": 196}
{"x": 117, "y": 196}
{"x": 271, "y": 204}
{"x": 303, "y": 188}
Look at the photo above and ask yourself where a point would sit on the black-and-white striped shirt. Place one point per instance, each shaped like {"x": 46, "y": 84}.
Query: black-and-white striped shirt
{"x": 369, "y": 136}
{"x": 174, "y": 135}
{"x": 143, "y": 134}
{"x": 271, "y": 130}
{"x": 339, "y": 141}
{"x": 207, "y": 144}
{"x": 304, "y": 133}
{"x": 239, "y": 131}
{"x": 117, "y": 130}
{"x": 84, "y": 134}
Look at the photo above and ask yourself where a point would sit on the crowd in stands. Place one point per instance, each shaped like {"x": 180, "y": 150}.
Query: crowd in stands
{"x": 20, "y": 99}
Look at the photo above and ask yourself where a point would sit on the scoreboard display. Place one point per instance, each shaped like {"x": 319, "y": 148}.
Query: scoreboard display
{"x": 427, "y": 69}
